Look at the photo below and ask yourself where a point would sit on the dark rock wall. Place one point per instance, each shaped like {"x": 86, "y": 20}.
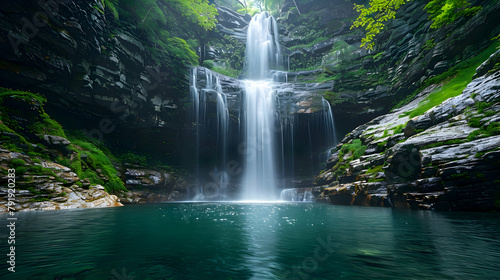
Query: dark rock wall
{"x": 95, "y": 75}
{"x": 365, "y": 84}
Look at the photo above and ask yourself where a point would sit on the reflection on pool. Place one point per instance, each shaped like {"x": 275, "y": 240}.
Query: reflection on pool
{"x": 253, "y": 241}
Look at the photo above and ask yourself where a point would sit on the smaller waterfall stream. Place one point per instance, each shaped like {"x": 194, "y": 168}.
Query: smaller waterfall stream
{"x": 217, "y": 189}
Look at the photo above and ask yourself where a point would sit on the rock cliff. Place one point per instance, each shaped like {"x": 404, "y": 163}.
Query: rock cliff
{"x": 97, "y": 75}
{"x": 444, "y": 159}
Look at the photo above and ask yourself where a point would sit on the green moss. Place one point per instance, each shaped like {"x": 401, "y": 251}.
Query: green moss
{"x": 481, "y": 106}
{"x": 489, "y": 113}
{"x": 96, "y": 159}
{"x": 355, "y": 149}
{"x": 17, "y": 162}
{"x": 378, "y": 56}
{"x": 308, "y": 45}
{"x": 460, "y": 176}
{"x": 41, "y": 124}
{"x": 48, "y": 126}
{"x": 21, "y": 170}
{"x": 39, "y": 199}
{"x": 381, "y": 145}
{"x": 429, "y": 44}
{"x": 481, "y": 154}
{"x": 375, "y": 169}
{"x": 449, "y": 142}
{"x": 34, "y": 191}
{"x": 399, "y": 128}
{"x": 485, "y": 131}
{"x": 333, "y": 97}
{"x": 25, "y": 95}
{"x": 455, "y": 79}
{"x": 373, "y": 180}
{"x": 228, "y": 71}
{"x": 474, "y": 122}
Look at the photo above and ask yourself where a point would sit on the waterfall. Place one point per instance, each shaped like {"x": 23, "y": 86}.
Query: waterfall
{"x": 259, "y": 108}
{"x": 217, "y": 187}
{"x": 273, "y": 138}
{"x": 262, "y": 49}
{"x": 260, "y": 118}
{"x": 328, "y": 125}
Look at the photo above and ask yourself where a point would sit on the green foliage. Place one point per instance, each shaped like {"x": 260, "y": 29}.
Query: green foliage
{"x": 474, "y": 122}
{"x": 373, "y": 18}
{"x": 491, "y": 129}
{"x": 208, "y": 64}
{"x": 25, "y": 95}
{"x": 378, "y": 56}
{"x": 230, "y": 72}
{"x": 233, "y": 56}
{"x": 308, "y": 45}
{"x": 199, "y": 11}
{"x": 373, "y": 180}
{"x": 40, "y": 122}
{"x": 460, "y": 176}
{"x": 429, "y": 44}
{"x": 173, "y": 29}
{"x": 481, "y": 154}
{"x": 21, "y": 170}
{"x": 34, "y": 191}
{"x": 48, "y": 126}
{"x": 356, "y": 148}
{"x": 17, "y": 162}
{"x": 39, "y": 199}
{"x": 134, "y": 159}
{"x": 333, "y": 97}
{"x": 456, "y": 79}
{"x": 179, "y": 49}
{"x": 97, "y": 157}
{"x": 381, "y": 145}
{"x": 449, "y": 142}
{"x": 94, "y": 159}
{"x": 399, "y": 128}
{"x": 443, "y": 12}
{"x": 110, "y": 5}
{"x": 320, "y": 78}
{"x": 481, "y": 106}
{"x": 375, "y": 169}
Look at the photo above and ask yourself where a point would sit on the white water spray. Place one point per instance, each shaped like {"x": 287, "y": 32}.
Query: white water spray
{"x": 262, "y": 53}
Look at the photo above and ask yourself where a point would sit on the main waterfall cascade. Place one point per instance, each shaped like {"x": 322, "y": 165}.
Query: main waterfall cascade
{"x": 263, "y": 134}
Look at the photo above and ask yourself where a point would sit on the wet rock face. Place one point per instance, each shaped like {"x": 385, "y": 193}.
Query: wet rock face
{"x": 148, "y": 185}
{"x": 95, "y": 76}
{"x": 445, "y": 159}
{"x": 369, "y": 83}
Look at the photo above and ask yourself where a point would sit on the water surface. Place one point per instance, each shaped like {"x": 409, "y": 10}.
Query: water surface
{"x": 253, "y": 241}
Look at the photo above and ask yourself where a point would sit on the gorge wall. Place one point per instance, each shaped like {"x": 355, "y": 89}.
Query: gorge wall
{"x": 97, "y": 75}
{"x": 105, "y": 79}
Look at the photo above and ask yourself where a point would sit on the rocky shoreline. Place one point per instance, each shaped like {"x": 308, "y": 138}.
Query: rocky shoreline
{"x": 445, "y": 159}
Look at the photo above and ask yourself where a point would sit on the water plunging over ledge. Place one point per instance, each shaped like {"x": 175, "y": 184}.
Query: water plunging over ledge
{"x": 267, "y": 133}
{"x": 262, "y": 52}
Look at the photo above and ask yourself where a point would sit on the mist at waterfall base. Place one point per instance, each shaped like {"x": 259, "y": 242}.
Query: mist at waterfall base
{"x": 259, "y": 146}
